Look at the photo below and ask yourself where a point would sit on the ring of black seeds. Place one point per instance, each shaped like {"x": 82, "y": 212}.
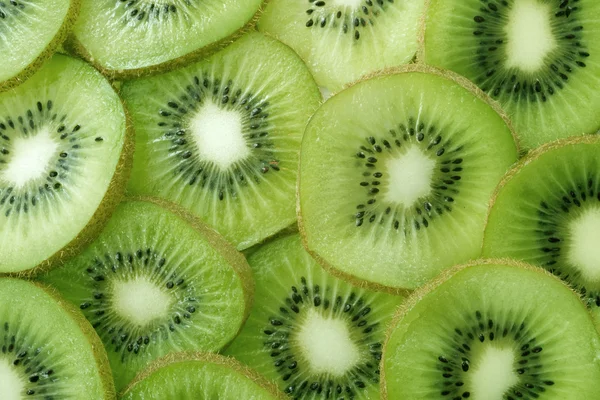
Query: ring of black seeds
{"x": 144, "y": 10}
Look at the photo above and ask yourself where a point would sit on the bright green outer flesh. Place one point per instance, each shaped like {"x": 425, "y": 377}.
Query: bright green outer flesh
{"x": 450, "y": 43}
{"x": 331, "y": 174}
{"x": 336, "y": 58}
{"x": 41, "y": 325}
{"x": 277, "y": 268}
{"x": 263, "y": 203}
{"x": 118, "y": 41}
{"x": 37, "y": 221}
{"x": 207, "y": 277}
{"x": 553, "y": 316}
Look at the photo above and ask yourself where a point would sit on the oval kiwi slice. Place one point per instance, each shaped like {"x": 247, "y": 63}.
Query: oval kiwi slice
{"x": 396, "y": 174}
{"x": 155, "y": 282}
{"x": 540, "y": 59}
{"x": 493, "y": 330}
{"x": 318, "y": 337}
{"x": 47, "y": 349}
{"x": 64, "y": 157}
{"x": 222, "y": 137}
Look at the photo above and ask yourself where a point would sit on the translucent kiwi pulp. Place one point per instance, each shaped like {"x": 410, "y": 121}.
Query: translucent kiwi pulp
{"x": 396, "y": 174}
{"x": 539, "y": 58}
{"x": 156, "y": 282}
{"x": 316, "y": 336}
{"x": 64, "y": 156}
{"x": 221, "y": 137}
{"x": 494, "y": 330}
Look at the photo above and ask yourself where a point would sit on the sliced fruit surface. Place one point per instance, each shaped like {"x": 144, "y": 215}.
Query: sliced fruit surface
{"x": 540, "y": 59}
{"x": 49, "y": 350}
{"x": 63, "y": 162}
{"x": 153, "y": 283}
{"x": 342, "y": 40}
{"x": 221, "y": 137}
{"x": 481, "y": 332}
{"x": 396, "y": 174}
{"x": 316, "y": 336}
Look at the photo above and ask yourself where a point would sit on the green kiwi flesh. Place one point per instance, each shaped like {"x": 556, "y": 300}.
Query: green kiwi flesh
{"x": 155, "y": 282}
{"x": 316, "y": 336}
{"x": 494, "y": 330}
{"x": 396, "y": 174}
{"x": 221, "y": 137}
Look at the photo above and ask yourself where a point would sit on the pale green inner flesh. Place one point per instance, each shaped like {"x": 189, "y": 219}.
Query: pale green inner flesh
{"x": 59, "y": 148}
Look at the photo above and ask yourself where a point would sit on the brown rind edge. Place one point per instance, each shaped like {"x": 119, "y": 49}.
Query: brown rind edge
{"x": 420, "y": 56}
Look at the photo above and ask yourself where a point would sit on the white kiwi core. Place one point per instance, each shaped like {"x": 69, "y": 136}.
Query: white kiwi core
{"x": 409, "y": 177}
{"x": 140, "y": 301}
{"x": 11, "y": 384}
{"x": 583, "y": 251}
{"x": 347, "y": 3}
{"x": 492, "y": 373}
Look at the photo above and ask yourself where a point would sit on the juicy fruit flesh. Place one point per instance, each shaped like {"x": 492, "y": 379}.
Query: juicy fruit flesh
{"x": 410, "y": 177}
{"x": 494, "y": 374}
{"x": 583, "y": 250}
{"x": 140, "y": 301}
{"x": 11, "y": 384}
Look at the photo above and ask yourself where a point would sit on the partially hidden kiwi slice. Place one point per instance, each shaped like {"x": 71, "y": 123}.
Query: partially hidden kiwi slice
{"x": 129, "y": 38}
{"x": 539, "y": 58}
{"x": 221, "y": 137}
{"x": 492, "y": 330}
{"x": 155, "y": 282}
{"x": 396, "y": 174}
{"x": 200, "y": 376}
{"x": 65, "y": 155}
{"x": 316, "y": 336}
{"x": 48, "y": 351}
{"x": 30, "y": 32}
{"x": 342, "y": 40}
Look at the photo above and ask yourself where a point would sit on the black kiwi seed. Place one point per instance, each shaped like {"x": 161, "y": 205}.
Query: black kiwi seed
{"x": 138, "y": 11}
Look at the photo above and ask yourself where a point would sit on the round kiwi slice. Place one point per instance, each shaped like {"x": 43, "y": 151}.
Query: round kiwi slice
{"x": 342, "y": 40}
{"x": 539, "y": 58}
{"x": 317, "y": 336}
{"x": 30, "y": 32}
{"x": 200, "y": 376}
{"x": 131, "y": 38}
{"x": 155, "y": 282}
{"x": 64, "y": 157}
{"x": 493, "y": 330}
{"x": 221, "y": 137}
{"x": 48, "y": 351}
{"x": 396, "y": 174}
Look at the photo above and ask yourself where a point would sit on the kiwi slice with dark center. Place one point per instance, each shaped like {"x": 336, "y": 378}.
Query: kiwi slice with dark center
{"x": 493, "y": 330}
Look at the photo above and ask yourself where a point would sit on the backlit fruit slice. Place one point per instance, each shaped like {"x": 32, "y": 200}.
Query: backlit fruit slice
{"x": 493, "y": 330}
{"x": 221, "y": 137}
{"x": 396, "y": 175}
{"x": 64, "y": 158}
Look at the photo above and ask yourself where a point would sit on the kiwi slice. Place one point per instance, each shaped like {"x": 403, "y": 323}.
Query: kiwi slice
{"x": 396, "y": 174}
{"x": 221, "y": 137}
{"x": 48, "y": 351}
{"x": 317, "y": 336}
{"x": 539, "y": 58}
{"x": 131, "y": 38}
{"x": 64, "y": 158}
{"x": 342, "y": 40}
{"x": 493, "y": 330}
{"x": 156, "y": 281}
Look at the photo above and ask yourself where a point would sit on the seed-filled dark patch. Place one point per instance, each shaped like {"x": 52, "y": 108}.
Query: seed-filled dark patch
{"x": 144, "y": 11}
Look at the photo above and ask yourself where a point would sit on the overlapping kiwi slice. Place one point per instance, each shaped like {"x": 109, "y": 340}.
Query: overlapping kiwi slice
{"x": 396, "y": 174}
{"x": 64, "y": 157}
{"x": 316, "y": 336}
{"x": 222, "y": 137}
{"x": 493, "y": 330}
{"x": 539, "y": 58}
{"x": 156, "y": 282}
{"x": 48, "y": 351}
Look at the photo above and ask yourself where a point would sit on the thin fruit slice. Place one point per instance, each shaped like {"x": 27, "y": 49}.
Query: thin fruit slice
{"x": 396, "y": 174}
{"x": 30, "y": 32}
{"x": 342, "y": 40}
{"x": 222, "y": 137}
{"x": 64, "y": 162}
{"x": 313, "y": 334}
{"x": 49, "y": 351}
{"x": 200, "y": 376}
{"x": 493, "y": 330}
{"x": 129, "y": 38}
{"x": 157, "y": 282}
{"x": 540, "y": 59}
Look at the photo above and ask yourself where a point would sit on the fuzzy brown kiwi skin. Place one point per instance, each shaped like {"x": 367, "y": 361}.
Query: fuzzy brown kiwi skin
{"x": 57, "y": 41}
